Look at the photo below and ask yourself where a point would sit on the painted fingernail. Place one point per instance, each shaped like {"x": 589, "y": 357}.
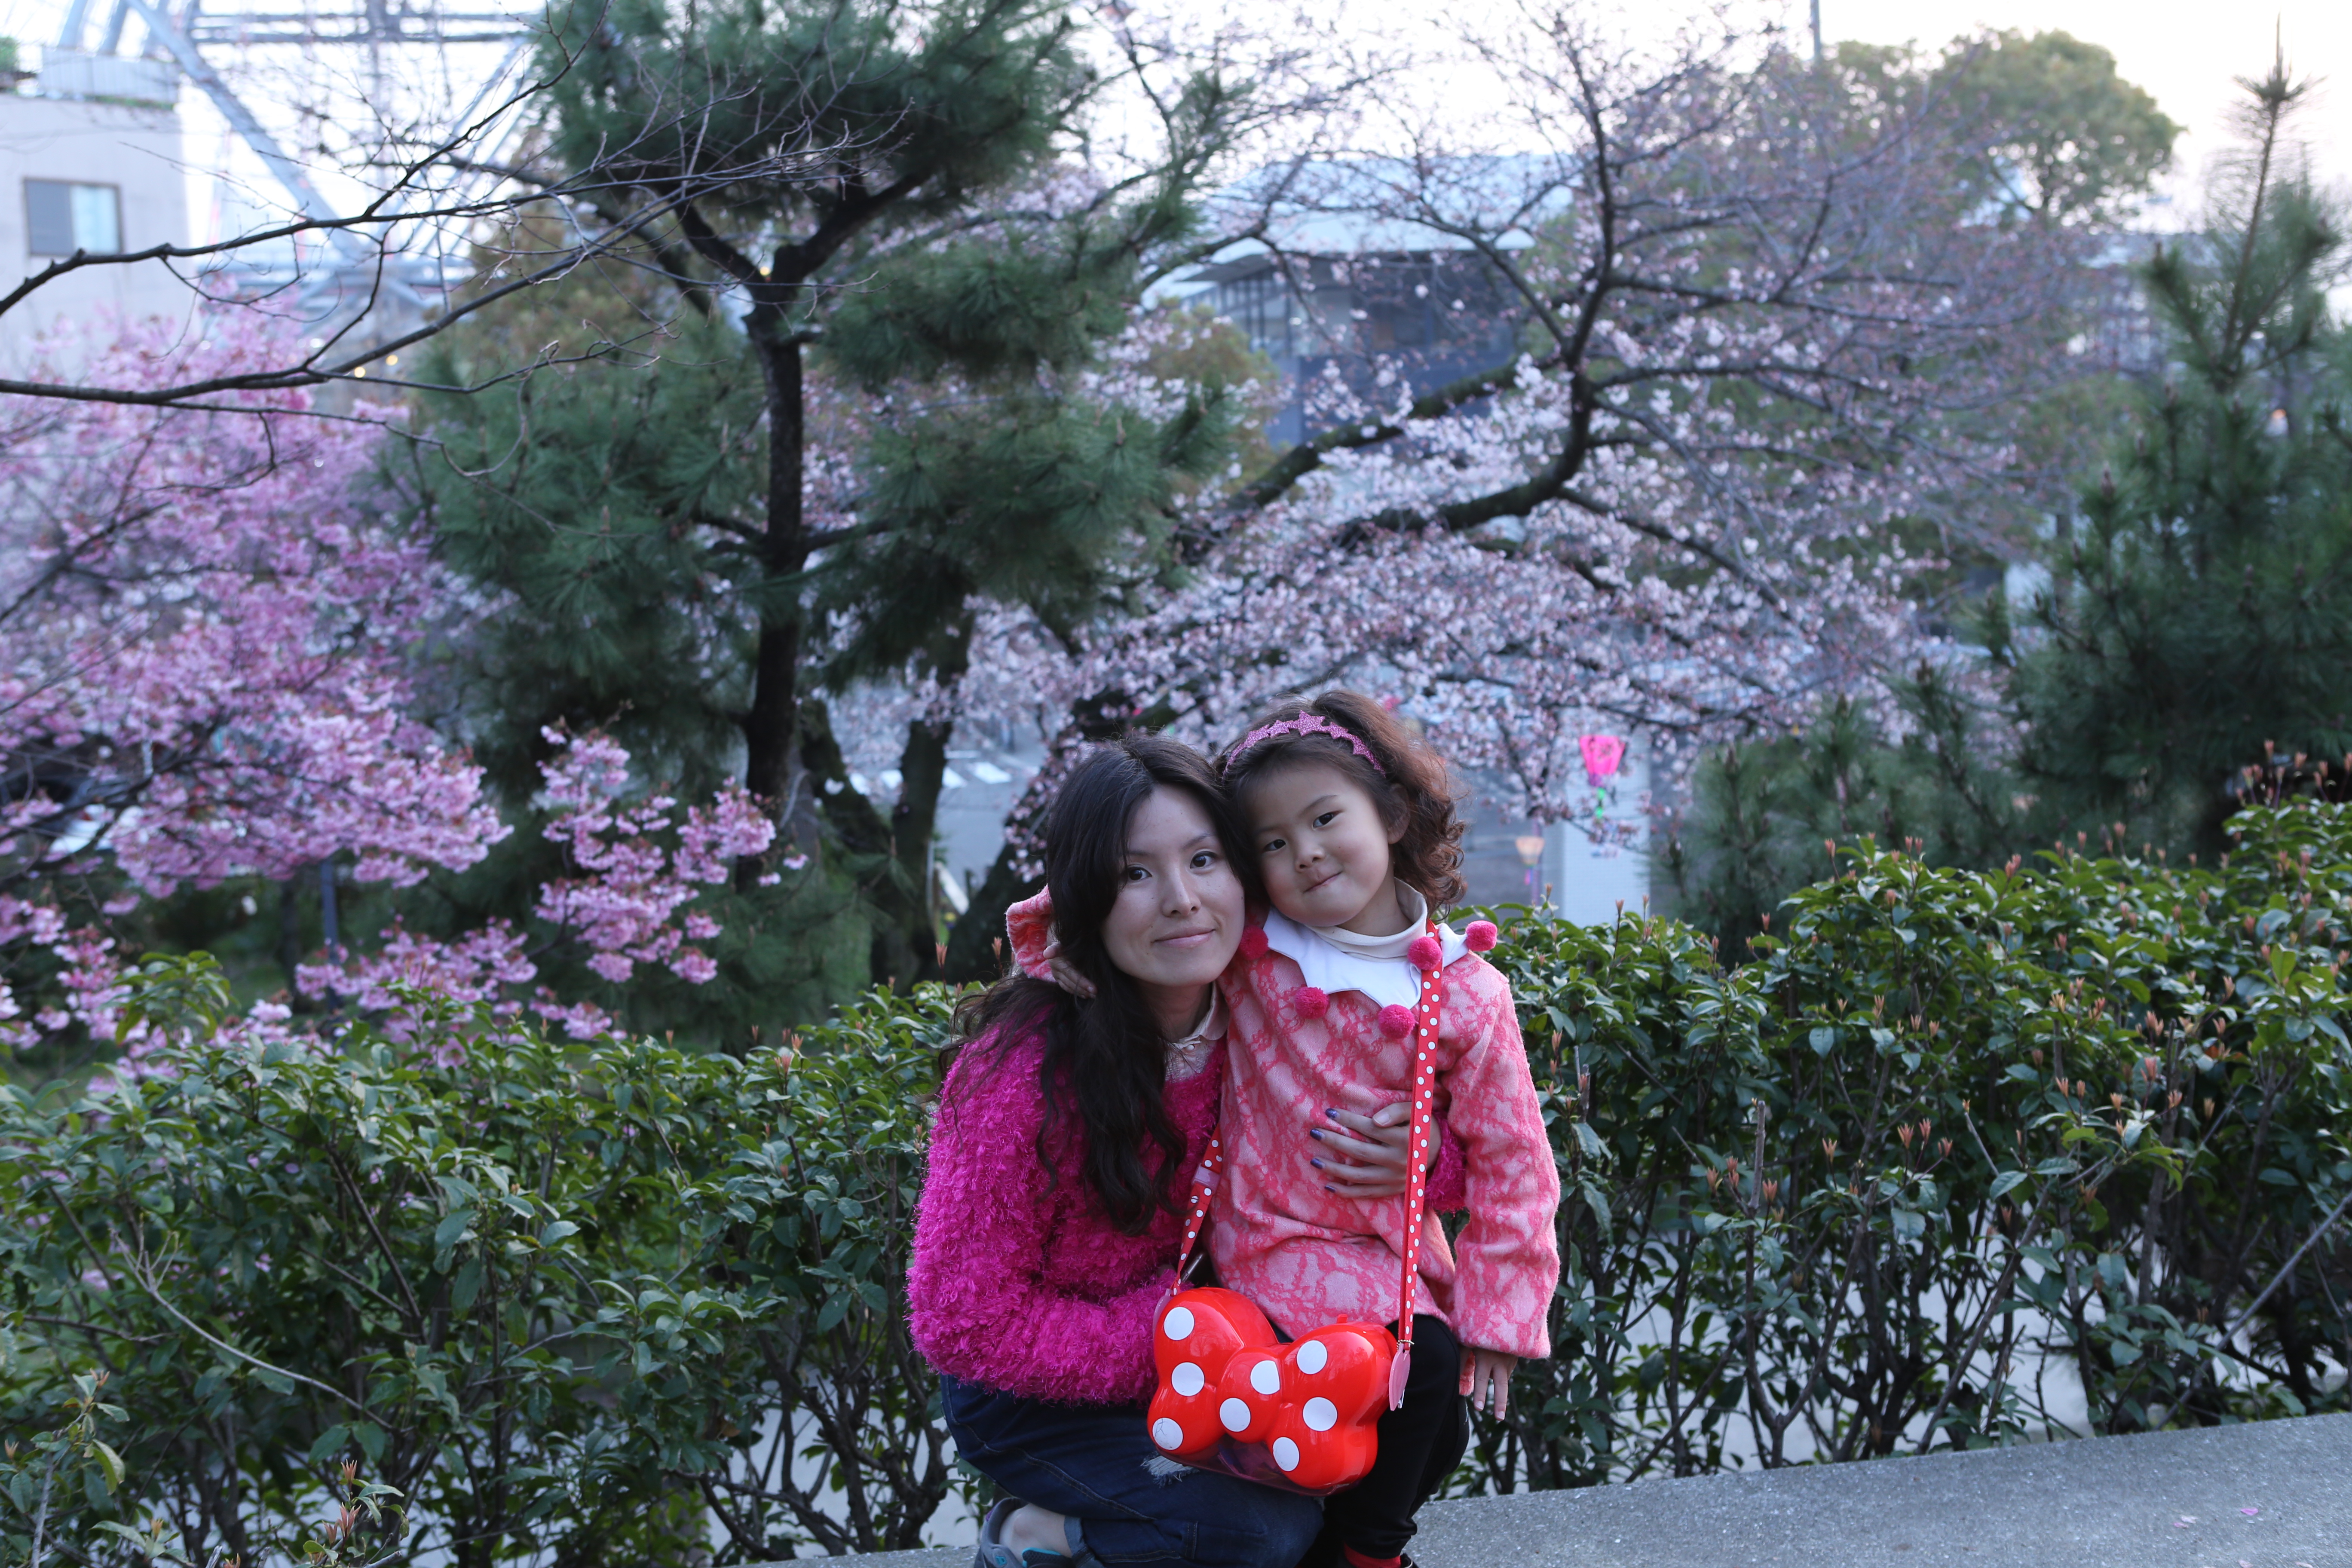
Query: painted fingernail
{"x": 1316, "y": 1133}
{"x": 1317, "y": 1163}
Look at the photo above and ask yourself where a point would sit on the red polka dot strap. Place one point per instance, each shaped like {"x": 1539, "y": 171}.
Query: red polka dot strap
{"x": 1304, "y": 1415}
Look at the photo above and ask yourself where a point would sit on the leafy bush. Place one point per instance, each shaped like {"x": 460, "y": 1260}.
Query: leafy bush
{"x": 1951, "y": 1146}
{"x": 593, "y": 1302}
{"x": 1947, "y": 1135}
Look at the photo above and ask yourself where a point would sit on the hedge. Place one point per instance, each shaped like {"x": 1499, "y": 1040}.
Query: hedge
{"x": 1951, "y": 1159}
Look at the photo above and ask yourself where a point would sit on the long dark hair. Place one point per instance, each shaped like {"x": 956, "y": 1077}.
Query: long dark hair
{"x": 1104, "y": 1058}
{"x": 1409, "y": 786}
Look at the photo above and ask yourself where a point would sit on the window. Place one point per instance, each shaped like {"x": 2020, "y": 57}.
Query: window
{"x": 62, "y": 218}
{"x": 1261, "y": 306}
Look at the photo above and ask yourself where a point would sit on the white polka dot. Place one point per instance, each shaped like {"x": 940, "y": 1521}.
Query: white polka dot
{"x": 1187, "y": 1380}
{"x": 1235, "y": 1415}
{"x": 1320, "y": 1415}
{"x": 1313, "y": 1357}
{"x": 1167, "y": 1434}
{"x": 1285, "y": 1453}
{"x": 1266, "y": 1378}
{"x": 1178, "y": 1323}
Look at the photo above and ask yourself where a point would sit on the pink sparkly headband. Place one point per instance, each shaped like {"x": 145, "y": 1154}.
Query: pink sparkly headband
{"x": 1304, "y": 724}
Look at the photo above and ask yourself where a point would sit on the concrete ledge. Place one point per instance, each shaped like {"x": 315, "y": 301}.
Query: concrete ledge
{"x": 2277, "y": 1494}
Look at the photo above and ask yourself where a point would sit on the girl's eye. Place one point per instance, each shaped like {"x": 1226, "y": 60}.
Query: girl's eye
{"x": 1325, "y": 820}
{"x": 1273, "y": 845}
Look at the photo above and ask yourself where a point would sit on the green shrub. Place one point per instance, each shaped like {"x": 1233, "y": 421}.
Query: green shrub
{"x": 592, "y": 1301}
{"x": 1947, "y": 1147}
{"x": 1945, "y": 1134}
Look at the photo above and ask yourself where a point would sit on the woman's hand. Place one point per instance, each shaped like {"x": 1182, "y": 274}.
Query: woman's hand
{"x": 1486, "y": 1378}
{"x": 1365, "y": 1156}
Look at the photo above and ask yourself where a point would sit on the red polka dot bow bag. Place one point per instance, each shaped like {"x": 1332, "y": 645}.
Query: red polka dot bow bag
{"x": 1304, "y": 1417}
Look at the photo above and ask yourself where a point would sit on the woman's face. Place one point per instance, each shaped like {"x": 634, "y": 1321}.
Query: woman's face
{"x": 1178, "y": 915}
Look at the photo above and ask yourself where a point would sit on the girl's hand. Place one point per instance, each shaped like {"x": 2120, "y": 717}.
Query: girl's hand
{"x": 1064, "y": 974}
{"x": 1486, "y": 1378}
{"x": 1364, "y": 1156}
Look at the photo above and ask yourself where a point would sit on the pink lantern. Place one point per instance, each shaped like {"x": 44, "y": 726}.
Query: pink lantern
{"x": 1602, "y": 754}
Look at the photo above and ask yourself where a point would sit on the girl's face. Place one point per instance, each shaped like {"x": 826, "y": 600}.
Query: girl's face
{"x": 1322, "y": 848}
{"x": 1178, "y": 915}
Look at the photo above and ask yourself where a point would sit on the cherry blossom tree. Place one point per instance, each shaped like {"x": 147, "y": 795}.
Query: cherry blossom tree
{"x": 1768, "y": 347}
{"x": 211, "y": 630}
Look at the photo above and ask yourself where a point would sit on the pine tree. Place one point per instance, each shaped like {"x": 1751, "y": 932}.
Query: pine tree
{"x": 2193, "y": 640}
{"x": 868, "y": 274}
{"x": 2207, "y": 605}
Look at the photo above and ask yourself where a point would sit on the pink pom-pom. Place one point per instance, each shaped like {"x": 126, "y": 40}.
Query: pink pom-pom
{"x": 1396, "y": 1021}
{"x": 1480, "y": 936}
{"x": 1254, "y": 942}
{"x": 1309, "y": 1002}
{"x": 1425, "y": 952}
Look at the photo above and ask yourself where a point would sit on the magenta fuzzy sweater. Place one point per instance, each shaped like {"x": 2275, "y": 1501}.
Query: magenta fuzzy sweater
{"x": 1025, "y": 1286}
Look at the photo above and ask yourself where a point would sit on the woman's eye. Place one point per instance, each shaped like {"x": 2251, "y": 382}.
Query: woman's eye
{"x": 1205, "y": 860}
{"x": 1135, "y": 873}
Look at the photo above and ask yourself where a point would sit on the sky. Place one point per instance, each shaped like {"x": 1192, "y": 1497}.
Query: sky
{"x": 2184, "y": 52}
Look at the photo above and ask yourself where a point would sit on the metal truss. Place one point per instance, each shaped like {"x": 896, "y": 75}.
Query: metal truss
{"x": 354, "y": 267}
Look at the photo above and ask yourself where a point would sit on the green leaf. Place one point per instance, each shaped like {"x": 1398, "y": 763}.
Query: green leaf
{"x": 370, "y": 1438}
{"x": 330, "y": 1444}
{"x": 2006, "y": 1181}
{"x": 1823, "y": 1041}
{"x": 452, "y": 1226}
{"x": 555, "y": 1230}
{"x": 466, "y": 1286}
{"x": 111, "y": 1462}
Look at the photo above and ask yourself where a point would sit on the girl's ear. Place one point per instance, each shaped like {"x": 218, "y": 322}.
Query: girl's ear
{"x": 1396, "y": 816}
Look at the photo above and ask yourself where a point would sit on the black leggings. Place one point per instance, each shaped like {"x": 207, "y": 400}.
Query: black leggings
{"x": 1420, "y": 1442}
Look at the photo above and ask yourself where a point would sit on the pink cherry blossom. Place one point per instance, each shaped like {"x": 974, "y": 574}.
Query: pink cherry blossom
{"x": 210, "y": 623}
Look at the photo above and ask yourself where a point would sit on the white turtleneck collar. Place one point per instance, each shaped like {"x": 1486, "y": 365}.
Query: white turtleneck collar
{"x": 1332, "y": 960}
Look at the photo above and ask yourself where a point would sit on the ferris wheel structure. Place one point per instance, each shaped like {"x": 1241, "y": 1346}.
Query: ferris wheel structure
{"x": 92, "y": 58}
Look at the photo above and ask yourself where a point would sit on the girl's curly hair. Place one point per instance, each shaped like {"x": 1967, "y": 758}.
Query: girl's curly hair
{"x": 1411, "y": 785}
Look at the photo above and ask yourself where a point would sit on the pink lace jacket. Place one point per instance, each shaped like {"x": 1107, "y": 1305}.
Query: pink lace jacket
{"x": 1309, "y": 1258}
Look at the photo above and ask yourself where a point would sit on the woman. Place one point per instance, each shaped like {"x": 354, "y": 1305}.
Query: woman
{"x": 1067, "y": 1134}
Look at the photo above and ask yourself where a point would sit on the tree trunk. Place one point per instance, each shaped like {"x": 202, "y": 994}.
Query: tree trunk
{"x": 976, "y": 949}
{"x": 772, "y": 722}
{"x": 914, "y": 821}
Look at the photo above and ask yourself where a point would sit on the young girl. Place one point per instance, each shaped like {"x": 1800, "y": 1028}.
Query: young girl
{"x": 1356, "y": 840}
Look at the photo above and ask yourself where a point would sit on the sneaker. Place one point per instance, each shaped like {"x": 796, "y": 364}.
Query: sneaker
{"x": 991, "y": 1552}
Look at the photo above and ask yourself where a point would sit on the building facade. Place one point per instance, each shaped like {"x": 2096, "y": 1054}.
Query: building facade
{"x": 100, "y": 173}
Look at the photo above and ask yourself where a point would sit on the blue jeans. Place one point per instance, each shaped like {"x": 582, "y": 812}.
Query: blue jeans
{"x": 1089, "y": 1461}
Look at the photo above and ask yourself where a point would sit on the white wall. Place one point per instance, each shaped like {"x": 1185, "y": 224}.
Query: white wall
{"x": 135, "y": 148}
{"x": 1589, "y": 882}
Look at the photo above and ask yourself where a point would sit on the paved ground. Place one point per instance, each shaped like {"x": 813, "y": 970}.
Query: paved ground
{"x": 2273, "y": 1495}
